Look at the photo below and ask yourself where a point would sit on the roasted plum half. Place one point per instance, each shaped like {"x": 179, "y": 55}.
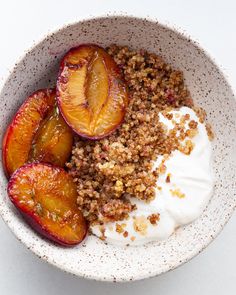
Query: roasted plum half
{"x": 91, "y": 93}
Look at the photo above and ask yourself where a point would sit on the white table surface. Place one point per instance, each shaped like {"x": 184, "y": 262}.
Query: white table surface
{"x": 211, "y": 22}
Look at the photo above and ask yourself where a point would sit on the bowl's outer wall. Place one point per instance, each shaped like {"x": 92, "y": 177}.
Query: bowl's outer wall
{"x": 94, "y": 259}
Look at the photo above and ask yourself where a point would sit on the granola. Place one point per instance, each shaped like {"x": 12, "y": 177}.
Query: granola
{"x": 112, "y": 170}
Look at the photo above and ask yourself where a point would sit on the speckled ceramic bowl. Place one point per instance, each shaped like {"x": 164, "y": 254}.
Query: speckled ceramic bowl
{"x": 210, "y": 89}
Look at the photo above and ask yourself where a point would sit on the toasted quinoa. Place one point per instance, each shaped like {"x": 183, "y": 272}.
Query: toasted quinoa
{"x": 110, "y": 171}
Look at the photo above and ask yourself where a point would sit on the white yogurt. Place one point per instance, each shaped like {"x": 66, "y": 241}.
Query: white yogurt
{"x": 191, "y": 175}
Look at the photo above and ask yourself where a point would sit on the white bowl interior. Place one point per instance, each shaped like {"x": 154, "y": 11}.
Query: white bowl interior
{"x": 209, "y": 88}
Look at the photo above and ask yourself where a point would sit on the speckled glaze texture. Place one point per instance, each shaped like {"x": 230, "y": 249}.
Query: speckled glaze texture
{"x": 210, "y": 89}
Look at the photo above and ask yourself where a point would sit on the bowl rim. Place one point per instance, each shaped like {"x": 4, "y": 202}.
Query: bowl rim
{"x": 166, "y": 25}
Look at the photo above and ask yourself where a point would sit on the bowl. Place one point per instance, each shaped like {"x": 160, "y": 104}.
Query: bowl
{"x": 209, "y": 88}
